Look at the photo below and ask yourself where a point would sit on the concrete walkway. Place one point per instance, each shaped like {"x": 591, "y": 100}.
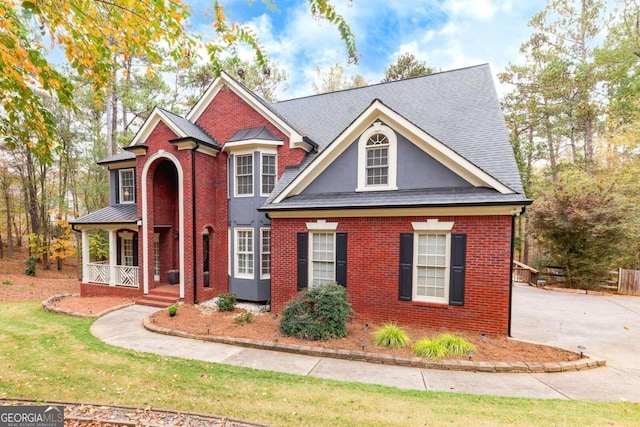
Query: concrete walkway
{"x": 619, "y": 381}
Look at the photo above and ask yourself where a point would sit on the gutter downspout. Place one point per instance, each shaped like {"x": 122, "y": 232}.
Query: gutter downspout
{"x": 513, "y": 236}
{"x": 193, "y": 221}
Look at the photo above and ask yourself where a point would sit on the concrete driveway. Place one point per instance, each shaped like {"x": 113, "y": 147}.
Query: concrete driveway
{"x": 608, "y": 326}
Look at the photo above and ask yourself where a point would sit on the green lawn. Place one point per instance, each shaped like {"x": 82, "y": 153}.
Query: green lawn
{"x": 48, "y": 356}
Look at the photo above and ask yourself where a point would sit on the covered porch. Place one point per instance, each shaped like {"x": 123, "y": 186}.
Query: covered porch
{"x": 110, "y": 246}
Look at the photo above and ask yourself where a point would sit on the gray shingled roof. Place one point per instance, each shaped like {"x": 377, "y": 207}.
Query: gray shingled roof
{"x": 401, "y": 198}
{"x": 122, "y": 214}
{"x": 120, "y": 157}
{"x": 459, "y": 108}
{"x": 190, "y": 129}
{"x": 260, "y": 132}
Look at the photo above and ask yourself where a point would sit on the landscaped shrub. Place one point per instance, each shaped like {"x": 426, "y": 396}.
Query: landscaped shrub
{"x": 391, "y": 335}
{"x": 320, "y": 313}
{"x": 455, "y": 344}
{"x": 443, "y": 345}
{"x": 431, "y": 349}
{"x": 172, "y": 309}
{"x": 243, "y": 318}
{"x": 226, "y": 302}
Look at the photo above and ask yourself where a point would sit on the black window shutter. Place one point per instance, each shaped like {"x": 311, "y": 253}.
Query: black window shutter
{"x": 119, "y": 260}
{"x": 135, "y": 249}
{"x": 303, "y": 260}
{"x": 458, "y": 259}
{"x": 341, "y": 259}
{"x": 405, "y": 287}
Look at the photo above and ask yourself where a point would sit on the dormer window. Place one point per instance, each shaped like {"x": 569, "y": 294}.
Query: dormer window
{"x": 377, "y": 150}
{"x": 127, "y": 190}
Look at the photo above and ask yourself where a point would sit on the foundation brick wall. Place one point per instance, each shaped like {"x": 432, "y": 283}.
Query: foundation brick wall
{"x": 98, "y": 290}
{"x": 373, "y": 269}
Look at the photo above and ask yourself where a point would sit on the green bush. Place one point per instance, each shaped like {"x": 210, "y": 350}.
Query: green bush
{"x": 31, "y": 266}
{"x": 431, "y": 349}
{"x": 319, "y": 313}
{"x": 391, "y": 335}
{"x": 172, "y": 309}
{"x": 455, "y": 344}
{"x": 226, "y": 302}
{"x": 243, "y": 318}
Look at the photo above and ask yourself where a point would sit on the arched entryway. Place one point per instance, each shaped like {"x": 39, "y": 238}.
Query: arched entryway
{"x": 163, "y": 222}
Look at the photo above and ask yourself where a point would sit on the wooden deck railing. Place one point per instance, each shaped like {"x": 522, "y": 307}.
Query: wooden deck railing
{"x": 524, "y": 274}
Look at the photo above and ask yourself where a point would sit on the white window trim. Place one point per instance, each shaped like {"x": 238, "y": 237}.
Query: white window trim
{"x": 235, "y": 175}
{"x": 432, "y": 226}
{"x": 322, "y": 225}
{"x": 262, "y": 230}
{"x": 237, "y": 273}
{"x": 262, "y": 154}
{"x": 311, "y": 237}
{"x": 120, "y": 191}
{"x": 378, "y": 127}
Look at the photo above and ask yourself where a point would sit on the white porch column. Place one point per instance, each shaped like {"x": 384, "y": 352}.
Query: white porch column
{"x": 85, "y": 256}
{"x": 113, "y": 256}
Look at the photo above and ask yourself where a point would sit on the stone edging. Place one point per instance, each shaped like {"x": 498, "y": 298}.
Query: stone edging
{"x": 414, "y": 362}
{"x": 49, "y": 305}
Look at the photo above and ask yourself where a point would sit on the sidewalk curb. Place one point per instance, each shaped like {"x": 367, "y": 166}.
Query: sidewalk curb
{"x": 413, "y": 362}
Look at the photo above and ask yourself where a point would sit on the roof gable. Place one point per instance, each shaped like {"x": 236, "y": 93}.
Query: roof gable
{"x": 265, "y": 109}
{"x": 459, "y": 108}
{"x": 433, "y": 147}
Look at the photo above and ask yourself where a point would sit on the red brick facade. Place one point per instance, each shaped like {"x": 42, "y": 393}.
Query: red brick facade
{"x": 372, "y": 245}
{"x": 373, "y": 270}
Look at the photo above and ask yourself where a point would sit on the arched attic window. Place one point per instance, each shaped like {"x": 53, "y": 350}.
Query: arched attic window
{"x": 377, "y": 154}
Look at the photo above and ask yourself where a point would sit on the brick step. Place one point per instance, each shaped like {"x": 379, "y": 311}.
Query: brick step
{"x": 175, "y": 294}
{"x": 161, "y": 301}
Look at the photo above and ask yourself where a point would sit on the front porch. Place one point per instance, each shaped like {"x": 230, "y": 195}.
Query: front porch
{"x": 112, "y": 274}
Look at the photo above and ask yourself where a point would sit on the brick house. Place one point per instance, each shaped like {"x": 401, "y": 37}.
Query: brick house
{"x": 404, "y": 192}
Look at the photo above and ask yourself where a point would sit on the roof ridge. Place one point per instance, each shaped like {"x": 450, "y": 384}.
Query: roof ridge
{"x": 383, "y": 83}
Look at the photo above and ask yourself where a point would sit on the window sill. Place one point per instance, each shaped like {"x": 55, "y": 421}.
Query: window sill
{"x": 431, "y": 304}
{"x": 365, "y": 189}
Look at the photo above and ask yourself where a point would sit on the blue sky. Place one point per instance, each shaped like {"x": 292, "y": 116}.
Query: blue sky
{"x": 447, "y": 34}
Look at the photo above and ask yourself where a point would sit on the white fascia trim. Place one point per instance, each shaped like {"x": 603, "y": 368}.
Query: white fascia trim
{"x": 395, "y": 212}
{"x": 268, "y": 146}
{"x": 433, "y": 224}
{"x": 295, "y": 139}
{"x": 377, "y": 110}
{"x": 322, "y": 225}
{"x": 122, "y": 165}
{"x": 145, "y": 221}
{"x": 150, "y": 124}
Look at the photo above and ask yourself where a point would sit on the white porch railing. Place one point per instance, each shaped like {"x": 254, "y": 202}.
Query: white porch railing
{"x": 99, "y": 272}
{"x": 127, "y": 276}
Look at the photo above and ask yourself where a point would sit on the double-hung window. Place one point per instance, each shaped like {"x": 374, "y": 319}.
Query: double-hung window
{"x": 432, "y": 266}
{"x": 321, "y": 255}
{"x": 265, "y": 253}
{"x": 432, "y": 263}
{"x": 323, "y": 258}
{"x": 244, "y": 253}
{"x": 268, "y": 176}
{"x": 127, "y": 187}
{"x": 244, "y": 175}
